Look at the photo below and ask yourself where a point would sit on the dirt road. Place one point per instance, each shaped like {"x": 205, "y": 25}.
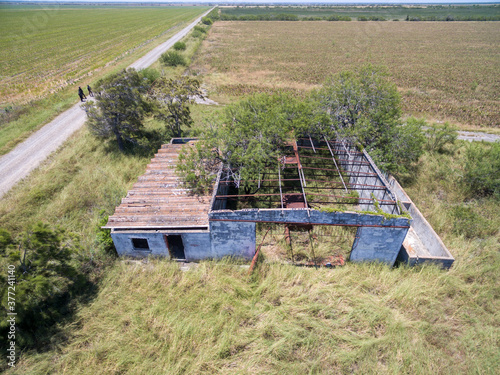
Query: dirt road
{"x": 477, "y": 136}
{"x": 28, "y": 155}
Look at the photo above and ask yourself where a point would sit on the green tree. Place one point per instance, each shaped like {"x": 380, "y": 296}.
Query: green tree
{"x": 119, "y": 107}
{"x": 44, "y": 275}
{"x": 171, "y": 98}
{"x": 366, "y": 106}
{"x": 248, "y": 139}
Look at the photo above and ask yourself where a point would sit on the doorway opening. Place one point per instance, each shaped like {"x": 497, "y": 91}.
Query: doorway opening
{"x": 175, "y": 246}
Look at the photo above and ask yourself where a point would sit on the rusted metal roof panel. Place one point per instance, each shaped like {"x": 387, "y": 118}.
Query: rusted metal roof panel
{"x": 159, "y": 200}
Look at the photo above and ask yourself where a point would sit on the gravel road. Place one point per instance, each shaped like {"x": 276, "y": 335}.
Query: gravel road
{"x": 477, "y": 136}
{"x": 28, "y": 155}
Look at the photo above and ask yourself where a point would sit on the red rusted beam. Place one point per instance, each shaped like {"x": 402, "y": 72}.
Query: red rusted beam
{"x": 254, "y": 260}
{"x": 340, "y": 196}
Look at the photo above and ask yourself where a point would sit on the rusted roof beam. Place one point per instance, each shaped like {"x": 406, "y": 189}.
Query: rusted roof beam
{"x": 336, "y": 166}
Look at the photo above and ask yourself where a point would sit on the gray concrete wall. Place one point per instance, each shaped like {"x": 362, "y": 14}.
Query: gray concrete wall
{"x": 229, "y": 238}
{"x": 305, "y": 216}
{"x": 436, "y": 250}
{"x": 377, "y": 244}
{"x": 124, "y": 247}
{"x": 196, "y": 245}
{"x": 404, "y": 257}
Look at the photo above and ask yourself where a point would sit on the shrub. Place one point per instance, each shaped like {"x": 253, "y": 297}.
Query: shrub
{"x": 408, "y": 145}
{"x": 338, "y": 18}
{"x": 482, "y": 170}
{"x": 42, "y": 259}
{"x": 196, "y": 34}
{"x": 469, "y": 223}
{"x": 172, "y": 58}
{"x": 206, "y": 21}
{"x": 312, "y": 18}
{"x": 180, "y": 46}
{"x": 440, "y": 136}
{"x": 150, "y": 74}
{"x": 200, "y": 29}
{"x": 103, "y": 236}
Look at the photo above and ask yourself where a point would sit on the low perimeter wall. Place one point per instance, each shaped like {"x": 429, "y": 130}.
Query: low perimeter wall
{"x": 423, "y": 245}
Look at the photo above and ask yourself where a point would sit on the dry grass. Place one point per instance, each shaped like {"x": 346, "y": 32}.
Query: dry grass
{"x": 363, "y": 319}
{"x": 445, "y": 71}
{"x": 213, "y": 319}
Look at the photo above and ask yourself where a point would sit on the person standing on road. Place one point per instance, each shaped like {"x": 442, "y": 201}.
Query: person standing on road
{"x": 90, "y": 90}
{"x": 81, "y": 94}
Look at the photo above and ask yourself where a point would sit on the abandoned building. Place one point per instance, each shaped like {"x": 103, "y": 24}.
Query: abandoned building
{"x": 318, "y": 182}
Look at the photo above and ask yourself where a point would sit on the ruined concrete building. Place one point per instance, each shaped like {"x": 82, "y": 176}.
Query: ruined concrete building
{"x": 316, "y": 183}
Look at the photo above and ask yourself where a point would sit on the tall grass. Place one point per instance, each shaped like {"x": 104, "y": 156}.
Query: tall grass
{"x": 153, "y": 318}
{"x": 73, "y": 186}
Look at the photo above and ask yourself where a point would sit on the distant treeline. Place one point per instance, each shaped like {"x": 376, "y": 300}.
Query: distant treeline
{"x": 293, "y": 17}
{"x": 280, "y": 17}
{"x": 453, "y": 18}
{"x": 368, "y": 13}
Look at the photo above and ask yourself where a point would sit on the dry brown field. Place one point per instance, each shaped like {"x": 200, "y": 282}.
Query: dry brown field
{"x": 446, "y": 71}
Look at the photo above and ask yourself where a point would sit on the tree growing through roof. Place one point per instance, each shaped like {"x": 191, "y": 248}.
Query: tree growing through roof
{"x": 251, "y": 135}
{"x": 172, "y": 98}
{"x": 248, "y": 139}
{"x": 119, "y": 107}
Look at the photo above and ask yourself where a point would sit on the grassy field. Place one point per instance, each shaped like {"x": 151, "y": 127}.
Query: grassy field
{"x": 386, "y": 12}
{"x": 46, "y": 53}
{"x": 367, "y": 319}
{"x": 444, "y": 71}
{"x": 153, "y": 318}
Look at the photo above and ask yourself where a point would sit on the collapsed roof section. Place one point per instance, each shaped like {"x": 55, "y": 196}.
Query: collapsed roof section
{"x": 316, "y": 182}
{"x": 322, "y": 174}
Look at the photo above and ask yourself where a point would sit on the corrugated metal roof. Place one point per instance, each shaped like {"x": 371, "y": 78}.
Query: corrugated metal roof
{"x": 158, "y": 199}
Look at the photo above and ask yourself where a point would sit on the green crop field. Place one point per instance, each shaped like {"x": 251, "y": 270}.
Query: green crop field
{"x": 444, "y": 70}
{"x": 400, "y": 12}
{"x": 45, "y": 49}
